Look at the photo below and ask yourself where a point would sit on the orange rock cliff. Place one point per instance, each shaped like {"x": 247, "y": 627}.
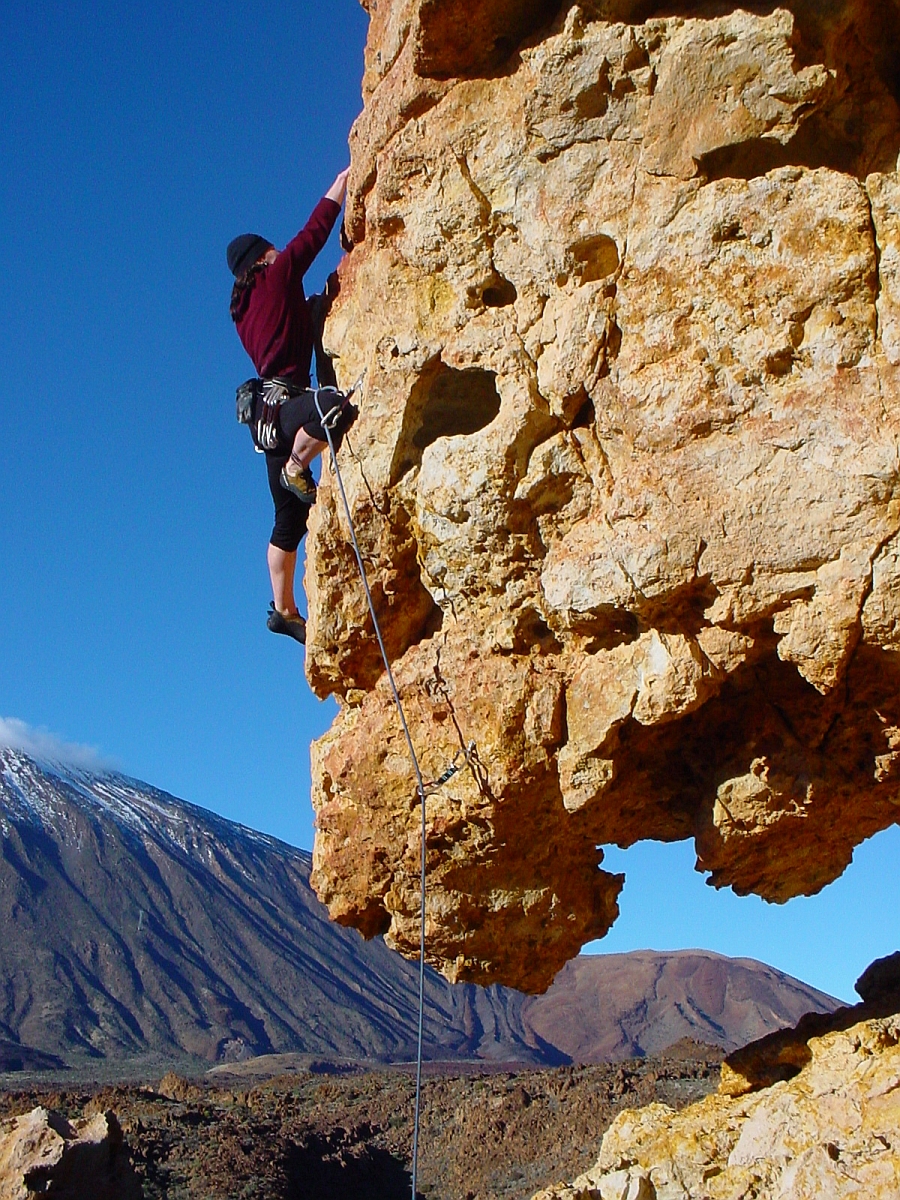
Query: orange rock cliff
{"x": 626, "y": 286}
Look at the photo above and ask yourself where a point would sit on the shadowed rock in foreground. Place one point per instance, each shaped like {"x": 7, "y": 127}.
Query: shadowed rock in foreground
{"x": 41, "y": 1152}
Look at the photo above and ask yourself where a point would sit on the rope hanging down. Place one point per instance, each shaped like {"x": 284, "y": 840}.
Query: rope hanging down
{"x": 462, "y": 757}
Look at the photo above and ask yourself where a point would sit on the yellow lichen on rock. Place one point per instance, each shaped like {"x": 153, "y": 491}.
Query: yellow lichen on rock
{"x": 626, "y": 476}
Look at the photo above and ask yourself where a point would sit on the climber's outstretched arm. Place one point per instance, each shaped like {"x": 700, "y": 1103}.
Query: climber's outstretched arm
{"x": 338, "y": 189}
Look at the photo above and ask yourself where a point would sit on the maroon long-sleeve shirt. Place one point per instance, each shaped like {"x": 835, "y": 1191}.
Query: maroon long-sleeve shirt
{"x": 275, "y": 326}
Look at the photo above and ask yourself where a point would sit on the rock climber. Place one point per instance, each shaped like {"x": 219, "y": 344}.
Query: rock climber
{"x": 279, "y": 328}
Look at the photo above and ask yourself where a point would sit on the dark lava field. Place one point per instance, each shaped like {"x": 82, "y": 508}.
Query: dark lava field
{"x": 314, "y": 1135}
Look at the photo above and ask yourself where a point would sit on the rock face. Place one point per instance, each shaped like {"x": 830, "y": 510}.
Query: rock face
{"x": 84, "y": 1160}
{"x": 626, "y": 284}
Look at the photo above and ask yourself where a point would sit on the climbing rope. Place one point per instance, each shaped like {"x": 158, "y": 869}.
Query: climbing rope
{"x": 462, "y": 757}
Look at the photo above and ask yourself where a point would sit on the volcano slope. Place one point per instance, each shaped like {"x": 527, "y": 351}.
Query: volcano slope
{"x": 137, "y": 926}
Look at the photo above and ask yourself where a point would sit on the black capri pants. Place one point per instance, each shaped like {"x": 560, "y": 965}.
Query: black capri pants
{"x": 298, "y": 412}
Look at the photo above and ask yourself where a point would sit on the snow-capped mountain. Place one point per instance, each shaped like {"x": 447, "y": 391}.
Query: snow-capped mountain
{"x": 43, "y": 793}
{"x": 133, "y": 923}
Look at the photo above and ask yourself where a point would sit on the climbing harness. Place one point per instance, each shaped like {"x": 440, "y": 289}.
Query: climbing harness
{"x": 272, "y": 393}
{"x": 462, "y": 758}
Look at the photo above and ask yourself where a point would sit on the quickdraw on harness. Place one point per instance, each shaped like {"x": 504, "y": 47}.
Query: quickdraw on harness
{"x": 463, "y": 757}
{"x": 268, "y": 395}
{"x": 272, "y": 393}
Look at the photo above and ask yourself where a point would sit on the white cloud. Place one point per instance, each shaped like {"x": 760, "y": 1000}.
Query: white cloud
{"x": 42, "y": 744}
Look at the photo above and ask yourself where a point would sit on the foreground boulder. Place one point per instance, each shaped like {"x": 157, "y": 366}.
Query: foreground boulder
{"x": 800, "y": 1115}
{"x": 41, "y": 1152}
{"x": 626, "y": 285}
{"x": 829, "y": 1131}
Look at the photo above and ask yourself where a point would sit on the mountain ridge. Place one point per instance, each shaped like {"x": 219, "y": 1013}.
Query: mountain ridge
{"x": 136, "y": 922}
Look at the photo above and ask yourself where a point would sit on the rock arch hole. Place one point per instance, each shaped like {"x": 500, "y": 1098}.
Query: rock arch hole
{"x": 445, "y": 402}
{"x": 499, "y": 294}
{"x": 596, "y": 258}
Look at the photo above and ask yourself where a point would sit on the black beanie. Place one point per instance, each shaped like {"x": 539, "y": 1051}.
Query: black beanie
{"x": 243, "y": 252}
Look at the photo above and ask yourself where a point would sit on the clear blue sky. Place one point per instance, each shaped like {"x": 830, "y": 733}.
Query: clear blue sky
{"x": 136, "y": 141}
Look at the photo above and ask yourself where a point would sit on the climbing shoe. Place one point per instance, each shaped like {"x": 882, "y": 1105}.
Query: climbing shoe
{"x": 303, "y": 486}
{"x": 294, "y": 626}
